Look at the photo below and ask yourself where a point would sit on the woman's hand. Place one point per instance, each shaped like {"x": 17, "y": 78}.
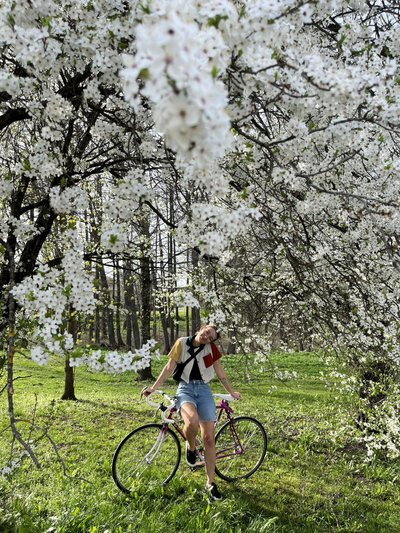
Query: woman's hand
{"x": 146, "y": 391}
{"x": 236, "y": 395}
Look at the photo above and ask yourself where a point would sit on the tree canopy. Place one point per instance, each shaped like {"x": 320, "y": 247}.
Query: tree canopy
{"x": 261, "y": 138}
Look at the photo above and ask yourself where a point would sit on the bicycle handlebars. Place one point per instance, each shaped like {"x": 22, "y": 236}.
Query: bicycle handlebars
{"x": 226, "y": 397}
{"x": 152, "y": 404}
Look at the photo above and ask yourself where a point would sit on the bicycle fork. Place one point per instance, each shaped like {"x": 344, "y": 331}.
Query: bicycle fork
{"x": 152, "y": 453}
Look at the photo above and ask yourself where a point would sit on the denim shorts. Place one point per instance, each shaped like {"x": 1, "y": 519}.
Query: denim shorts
{"x": 198, "y": 394}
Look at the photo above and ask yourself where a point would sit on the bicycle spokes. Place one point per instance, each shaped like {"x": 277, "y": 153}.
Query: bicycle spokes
{"x": 150, "y": 454}
{"x": 241, "y": 445}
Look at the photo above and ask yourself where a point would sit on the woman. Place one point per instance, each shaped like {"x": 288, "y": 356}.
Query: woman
{"x": 195, "y": 399}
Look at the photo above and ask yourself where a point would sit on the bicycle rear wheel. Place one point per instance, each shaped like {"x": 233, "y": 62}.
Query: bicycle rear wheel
{"x": 149, "y": 454}
{"x": 241, "y": 445}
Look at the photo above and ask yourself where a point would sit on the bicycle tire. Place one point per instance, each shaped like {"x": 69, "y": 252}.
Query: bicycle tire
{"x": 233, "y": 462}
{"x": 138, "y": 459}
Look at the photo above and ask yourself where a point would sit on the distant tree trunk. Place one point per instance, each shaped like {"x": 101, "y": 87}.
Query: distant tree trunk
{"x": 108, "y": 315}
{"x": 231, "y": 349}
{"x": 195, "y": 319}
{"x": 145, "y": 285}
{"x": 164, "y": 325}
{"x": 128, "y": 296}
{"x": 97, "y": 324}
{"x": 176, "y": 322}
{"x": 173, "y": 315}
{"x": 163, "y": 306}
{"x": 69, "y": 382}
{"x": 170, "y": 259}
{"x": 97, "y": 336}
{"x": 154, "y": 261}
{"x": 187, "y": 317}
{"x": 155, "y": 321}
{"x": 135, "y": 321}
{"x": 117, "y": 288}
{"x": 132, "y": 324}
{"x": 103, "y": 323}
{"x": 276, "y": 338}
{"x": 195, "y": 310}
{"x": 187, "y": 309}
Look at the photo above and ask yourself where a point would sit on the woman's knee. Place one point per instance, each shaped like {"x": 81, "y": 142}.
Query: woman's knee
{"x": 192, "y": 424}
{"x": 190, "y": 416}
{"x": 207, "y": 434}
{"x": 208, "y": 439}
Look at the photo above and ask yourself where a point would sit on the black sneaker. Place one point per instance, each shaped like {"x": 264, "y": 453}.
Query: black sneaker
{"x": 190, "y": 456}
{"x": 213, "y": 492}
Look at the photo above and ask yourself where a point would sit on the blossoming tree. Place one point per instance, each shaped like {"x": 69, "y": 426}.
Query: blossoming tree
{"x": 279, "y": 120}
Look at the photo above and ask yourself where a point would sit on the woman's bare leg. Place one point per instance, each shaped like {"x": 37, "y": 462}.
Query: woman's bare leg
{"x": 208, "y": 437}
{"x": 191, "y": 421}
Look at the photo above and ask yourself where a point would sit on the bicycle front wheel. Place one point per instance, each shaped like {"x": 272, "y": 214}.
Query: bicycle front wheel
{"x": 149, "y": 454}
{"x": 241, "y": 445}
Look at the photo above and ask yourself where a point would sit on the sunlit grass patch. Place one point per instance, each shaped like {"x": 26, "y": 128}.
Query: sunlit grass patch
{"x": 312, "y": 480}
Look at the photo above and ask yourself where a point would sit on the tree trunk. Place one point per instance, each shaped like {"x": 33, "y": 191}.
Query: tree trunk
{"x": 127, "y": 302}
{"x": 171, "y": 284}
{"x": 145, "y": 285}
{"x": 132, "y": 323}
{"x": 117, "y": 288}
{"x": 187, "y": 309}
{"x": 196, "y": 322}
{"x": 187, "y": 321}
{"x": 231, "y": 349}
{"x": 164, "y": 325}
{"x": 11, "y": 334}
{"x": 176, "y": 322}
{"x": 135, "y": 321}
{"x": 97, "y": 336}
{"x": 195, "y": 310}
{"x": 108, "y": 315}
{"x": 164, "y": 304}
{"x": 69, "y": 381}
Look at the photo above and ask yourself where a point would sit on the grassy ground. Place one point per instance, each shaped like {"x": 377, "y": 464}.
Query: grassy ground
{"x": 313, "y": 479}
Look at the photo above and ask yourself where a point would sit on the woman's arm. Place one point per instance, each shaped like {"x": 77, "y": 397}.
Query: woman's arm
{"x": 164, "y": 375}
{"x": 224, "y": 379}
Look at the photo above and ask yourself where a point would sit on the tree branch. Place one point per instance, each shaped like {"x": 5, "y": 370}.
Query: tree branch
{"x": 13, "y": 115}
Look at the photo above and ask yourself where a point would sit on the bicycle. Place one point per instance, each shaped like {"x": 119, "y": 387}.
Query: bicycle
{"x": 152, "y": 452}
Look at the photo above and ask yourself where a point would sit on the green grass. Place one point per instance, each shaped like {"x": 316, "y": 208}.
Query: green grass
{"x": 314, "y": 478}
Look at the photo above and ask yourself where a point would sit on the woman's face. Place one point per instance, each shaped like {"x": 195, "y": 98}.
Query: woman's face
{"x": 206, "y": 335}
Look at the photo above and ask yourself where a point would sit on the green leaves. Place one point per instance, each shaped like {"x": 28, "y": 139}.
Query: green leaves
{"x": 45, "y": 22}
{"x": 214, "y": 21}
{"x": 145, "y": 7}
{"x": 11, "y": 20}
{"x": 144, "y": 74}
